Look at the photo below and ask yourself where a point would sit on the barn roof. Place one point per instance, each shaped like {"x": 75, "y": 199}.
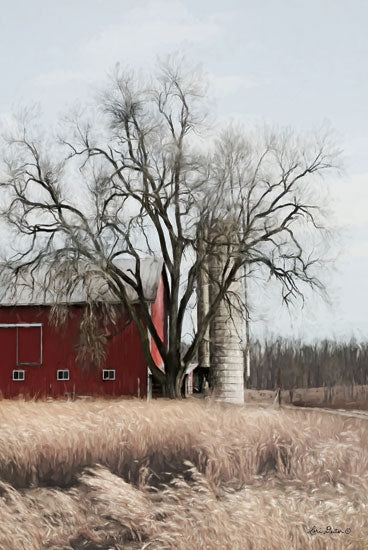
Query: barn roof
{"x": 94, "y": 286}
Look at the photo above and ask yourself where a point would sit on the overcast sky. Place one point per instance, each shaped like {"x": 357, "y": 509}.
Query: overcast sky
{"x": 287, "y": 62}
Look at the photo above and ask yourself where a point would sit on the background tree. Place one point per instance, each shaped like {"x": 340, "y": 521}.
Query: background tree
{"x": 138, "y": 176}
{"x": 308, "y": 365}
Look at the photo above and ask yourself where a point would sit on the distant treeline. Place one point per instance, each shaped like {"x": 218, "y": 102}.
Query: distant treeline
{"x": 293, "y": 364}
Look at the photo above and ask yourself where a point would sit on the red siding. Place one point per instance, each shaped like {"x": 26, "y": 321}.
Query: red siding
{"x": 159, "y": 317}
{"x": 124, "y": 355}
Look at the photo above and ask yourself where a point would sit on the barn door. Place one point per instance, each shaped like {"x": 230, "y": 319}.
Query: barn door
{"x": 29, "y": 345}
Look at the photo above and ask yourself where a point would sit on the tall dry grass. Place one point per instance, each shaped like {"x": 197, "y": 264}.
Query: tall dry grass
{"x": 184, "y": 475}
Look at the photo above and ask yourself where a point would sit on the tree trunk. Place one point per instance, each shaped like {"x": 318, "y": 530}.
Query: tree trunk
{"x": 169, "y": 389}
{"x": 173, "y": 380}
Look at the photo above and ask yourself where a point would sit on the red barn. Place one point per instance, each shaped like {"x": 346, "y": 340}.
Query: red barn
{"x": 38, "y": 359}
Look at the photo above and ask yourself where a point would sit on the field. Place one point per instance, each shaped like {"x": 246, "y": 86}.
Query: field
{"x": 99, "y": 475}
{"x": 335, "y": 397}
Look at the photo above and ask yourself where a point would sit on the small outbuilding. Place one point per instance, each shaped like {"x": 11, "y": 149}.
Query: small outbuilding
{"x": 38, "y": 359}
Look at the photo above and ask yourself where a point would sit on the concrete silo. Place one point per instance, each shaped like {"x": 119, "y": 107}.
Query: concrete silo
{"x": 225, "y": 350}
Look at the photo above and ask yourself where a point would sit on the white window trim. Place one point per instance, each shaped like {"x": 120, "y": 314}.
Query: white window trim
{"x": 109, "y": 379}
{"x": 24, "y": 325}
{"x": 62, "y": 379}
{"x": 19, "y": 379}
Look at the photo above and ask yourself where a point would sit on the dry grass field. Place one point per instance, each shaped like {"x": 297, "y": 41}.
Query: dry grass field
{"x": 180, "y": 475}
{"x": 335, "y": 397}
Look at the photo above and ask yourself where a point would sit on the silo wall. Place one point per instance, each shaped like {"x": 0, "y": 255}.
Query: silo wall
{"x": 226, "y": 345}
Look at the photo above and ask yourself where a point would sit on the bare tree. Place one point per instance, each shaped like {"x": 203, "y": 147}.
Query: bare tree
{"x": 149, "y": 184}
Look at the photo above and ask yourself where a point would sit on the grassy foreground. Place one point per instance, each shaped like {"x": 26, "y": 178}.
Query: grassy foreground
{"x": 179, "y": 475}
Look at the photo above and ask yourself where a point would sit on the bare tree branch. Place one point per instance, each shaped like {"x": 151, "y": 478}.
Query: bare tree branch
{"x": 147, "y": 191}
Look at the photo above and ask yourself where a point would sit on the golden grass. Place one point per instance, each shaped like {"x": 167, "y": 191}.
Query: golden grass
{"x": 185, "y": 475}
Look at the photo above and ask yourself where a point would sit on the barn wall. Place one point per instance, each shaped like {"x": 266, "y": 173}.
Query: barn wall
{"x": 124, "y": 354}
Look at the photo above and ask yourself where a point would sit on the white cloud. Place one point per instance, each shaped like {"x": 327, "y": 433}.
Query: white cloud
{"x": 349, "y": 199}
{"x": 231, "y": 84}
{"x": 57, "y": 77}
{"x": 358, "y": 250}
{"x": 158, "y": 27}
{"x": 355, "y": 149}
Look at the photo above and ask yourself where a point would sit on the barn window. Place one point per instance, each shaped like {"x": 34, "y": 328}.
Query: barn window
{"x": 18, "y": 375}
{"x": 29, "y": 344}
{"x": 63, "y": 374}
{"x": 108, "y": 374}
